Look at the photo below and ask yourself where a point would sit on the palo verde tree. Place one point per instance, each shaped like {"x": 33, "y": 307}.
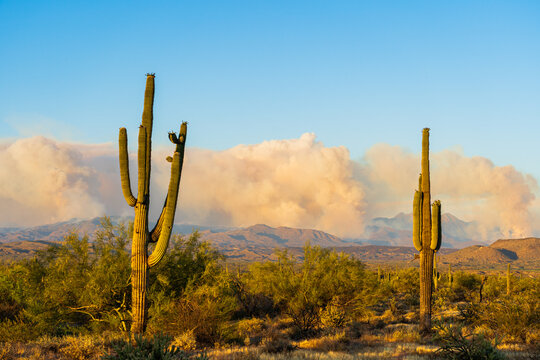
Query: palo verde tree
{"x": 426, "y": 234}
{"x": 140, "y": 260}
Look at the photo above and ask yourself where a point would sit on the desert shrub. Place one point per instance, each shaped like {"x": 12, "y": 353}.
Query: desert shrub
{"x": 275, "y": 341}
{"x": 157, "y": 348}
{"x": 17, "y": 330}
{"x": 303, "y": 290}
{"x": 251, "y": 330}
{"x": 334, "y": 314}
{"x": 190, "y": 292}
{"x": 511, "y": 319}
{"x": 9, "y": 307}
{"x": 71, "y": 287}
{"x": 456, "y": 345}
{"x": 405, "y": 284}
{"x": 185, "y": 341}
{"x": 494, "y": 288}
{"x": 251, "y": 304}
{"x": 466, "y": 286}
{"x": 205, "y": 307}
{"x": 80, "y": 348}
{"x": 442, "y": 299}
{"x": 185, "y": 264}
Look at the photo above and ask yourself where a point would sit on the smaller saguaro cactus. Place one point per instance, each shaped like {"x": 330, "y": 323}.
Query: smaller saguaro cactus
{"x": 379, "y": 273}
{"x": 480, "y": 295}
{"x": 450, "y": 278}
{"x": 426, "y": 234}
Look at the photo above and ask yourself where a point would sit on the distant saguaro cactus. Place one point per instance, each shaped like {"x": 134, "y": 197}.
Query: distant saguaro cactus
{"x": 140, "y": 260}
{"x": 508, "y": 277}
{"x": 426, "y": 234}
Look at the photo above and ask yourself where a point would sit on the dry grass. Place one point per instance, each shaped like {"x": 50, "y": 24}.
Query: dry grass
{"x": 319, "y": 351}
{"x": 327, "y": 343}
{"x": 51, "y": 348}
{"x": 327, "y": 347}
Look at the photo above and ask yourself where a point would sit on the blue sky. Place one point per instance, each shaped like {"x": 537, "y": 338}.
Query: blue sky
{"x": 355, "y": 73}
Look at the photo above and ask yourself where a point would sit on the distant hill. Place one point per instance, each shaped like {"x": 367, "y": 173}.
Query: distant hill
{"x": 57, "y": 231}
{"x": 522, "y": 253}
{"x": 50, "y": 232}
{"x": 266, "y": 236}
{"x": 17, "y": 250}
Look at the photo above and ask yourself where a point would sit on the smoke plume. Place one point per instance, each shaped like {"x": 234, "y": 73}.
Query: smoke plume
{"x": 43, "y": 181}
{"x": 296, "y": 182}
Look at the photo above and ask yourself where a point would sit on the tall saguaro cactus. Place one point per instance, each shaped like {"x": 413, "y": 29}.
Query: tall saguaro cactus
{"x": 426, "y": 234}
{"x": 161, "y": 233}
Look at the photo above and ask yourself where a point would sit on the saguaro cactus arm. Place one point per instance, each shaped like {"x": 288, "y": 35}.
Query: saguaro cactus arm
{"x": 124, "y": 168}
{"x": 172, "y": 196}
{"x": 142, "y": 194}
{"x": 147, "y": 122}
{"x": 180, "y": 145}
{"x": 436, "y": 233}
{"x": 417, "y": 220}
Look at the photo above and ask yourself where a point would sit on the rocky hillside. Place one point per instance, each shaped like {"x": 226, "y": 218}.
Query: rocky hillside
{"x": 265, "y": 236}
{"x": 521, "y": 253}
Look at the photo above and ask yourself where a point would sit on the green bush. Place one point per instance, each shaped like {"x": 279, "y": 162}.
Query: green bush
{"x": 158, "y": 348}
{"x": 511, "y": 319}
{"x": 455, "y": 345}
{"x": 72, "y": 287}
{"x": 303, "y": 290}
{"x": 466, "y": 286}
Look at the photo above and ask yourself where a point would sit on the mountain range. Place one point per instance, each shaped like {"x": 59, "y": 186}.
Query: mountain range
{"x": 397, "y": 231}
{"x": 386, "y": 240}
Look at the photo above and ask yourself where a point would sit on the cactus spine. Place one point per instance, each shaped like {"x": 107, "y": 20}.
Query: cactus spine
{"x": 426, "y": 236}
{"x": 140, "y": 260}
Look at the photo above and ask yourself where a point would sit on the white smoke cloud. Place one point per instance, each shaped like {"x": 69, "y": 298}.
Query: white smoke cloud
{"x": 296, "y": 182}
{"x": 43, "y": 181}
{"x": 497, "y": 198}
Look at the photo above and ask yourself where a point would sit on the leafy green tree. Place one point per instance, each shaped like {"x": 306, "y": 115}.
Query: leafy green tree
{"x": 303, "y": 290}
{"x": 72, "y": 286}
{"x": 192, "y": 291}
{"x": 187, "y": 260}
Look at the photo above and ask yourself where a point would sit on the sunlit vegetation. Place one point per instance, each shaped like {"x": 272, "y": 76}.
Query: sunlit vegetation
{"x": 72, "y": 301}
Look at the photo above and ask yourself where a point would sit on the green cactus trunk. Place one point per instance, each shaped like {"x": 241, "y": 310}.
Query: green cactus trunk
{"x": 435, "y": 273}
{"x": 426, "y": 236}
{"x": 141, "y": 262}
